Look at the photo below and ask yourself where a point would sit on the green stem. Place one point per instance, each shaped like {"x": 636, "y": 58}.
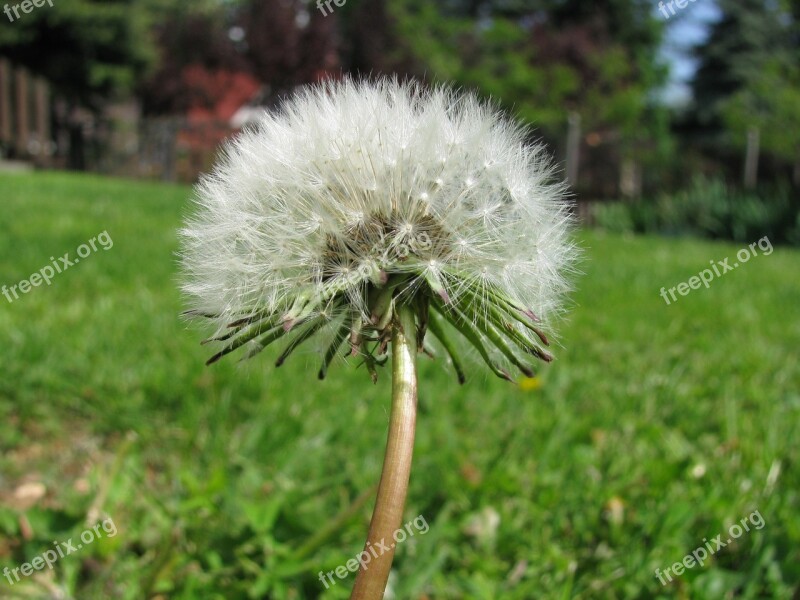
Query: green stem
{"x": 388, "y": 513}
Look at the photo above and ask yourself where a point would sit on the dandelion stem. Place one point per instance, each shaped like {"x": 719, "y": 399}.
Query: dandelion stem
{"x": 386, "y": 518}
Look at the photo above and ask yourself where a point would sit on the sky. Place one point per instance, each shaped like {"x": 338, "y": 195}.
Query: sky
{"x": 686, "y": 28}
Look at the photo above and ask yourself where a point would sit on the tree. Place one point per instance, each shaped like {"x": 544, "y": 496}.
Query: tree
{"x": 543, "y": 58}
{"x": 749, "y": 36}
{"x": 89, "y": 50}
{"x": 749, "y": 77}
{"x": 281, "y": 44}
{"x": 546, "y": 59}
{"x": 289, "y": 43}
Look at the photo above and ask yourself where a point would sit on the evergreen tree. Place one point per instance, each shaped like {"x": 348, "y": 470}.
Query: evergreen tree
{"x": 748, "y": 37}
{"x": 749, "y": 77}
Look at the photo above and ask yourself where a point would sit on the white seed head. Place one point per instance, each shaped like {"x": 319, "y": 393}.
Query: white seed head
{"x": 350, "y": 179}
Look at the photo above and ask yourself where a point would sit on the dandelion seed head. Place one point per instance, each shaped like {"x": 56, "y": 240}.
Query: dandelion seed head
{"x": 327, "y": 189}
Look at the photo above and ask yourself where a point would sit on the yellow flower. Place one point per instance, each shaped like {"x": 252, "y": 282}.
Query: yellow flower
{"x": 530, "y": 384}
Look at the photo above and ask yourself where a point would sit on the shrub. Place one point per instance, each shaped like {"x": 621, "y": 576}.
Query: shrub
{"x": 709, "y": 208}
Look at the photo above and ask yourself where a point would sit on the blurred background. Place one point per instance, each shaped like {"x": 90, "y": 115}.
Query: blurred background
{"x": 633, "y": 96}
{"x": 677, "y": 124}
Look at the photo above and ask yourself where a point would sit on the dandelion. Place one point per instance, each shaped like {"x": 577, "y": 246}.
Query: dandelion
{"x": 383, "y": 219}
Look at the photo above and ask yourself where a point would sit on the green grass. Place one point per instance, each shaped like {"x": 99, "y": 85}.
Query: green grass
{"x": 657, "y": 426}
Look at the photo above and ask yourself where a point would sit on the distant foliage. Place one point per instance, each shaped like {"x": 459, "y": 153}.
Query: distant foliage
{"x": 709, "y": 208}
{"x": 87, "y": 50}
{"x": 544, "y": 60}
{"x": 748, "y": 76}
{"x": 278, "y": 44}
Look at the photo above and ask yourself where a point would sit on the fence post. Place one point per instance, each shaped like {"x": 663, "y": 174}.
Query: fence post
{"x": 42, "y": 116}
{"x": 751, "y": 158}
{"x": 6, "y": 128}
{"x": 23, "y": 124}
{"x": 169, "y": 145}
{"x": 630, "y": 179}
{"x": 573, "y": 147}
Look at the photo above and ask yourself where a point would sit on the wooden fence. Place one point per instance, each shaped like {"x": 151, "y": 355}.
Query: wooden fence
{"x": 25, "y": 115}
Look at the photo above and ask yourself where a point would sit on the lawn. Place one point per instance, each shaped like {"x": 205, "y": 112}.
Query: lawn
{"x": 657, "y": 428}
